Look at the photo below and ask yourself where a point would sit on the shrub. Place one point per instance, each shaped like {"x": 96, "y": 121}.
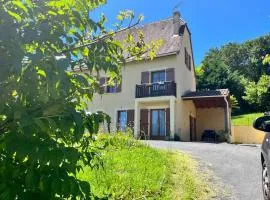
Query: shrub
{"x": 222, "y": 136}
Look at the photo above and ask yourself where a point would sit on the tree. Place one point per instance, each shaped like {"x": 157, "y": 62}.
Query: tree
{"x": 45, "y": 133}
{"x": 247, "y": 57}
{"x": 258, "y": 94}
{"x": 215, "y": 74}
{"x": 234, "y": 102}
{"x": 228, "y": 65}
{"x": 266, "y": 60}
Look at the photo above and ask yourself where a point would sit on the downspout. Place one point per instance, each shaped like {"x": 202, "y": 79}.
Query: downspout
{"x": 227, "y": 115}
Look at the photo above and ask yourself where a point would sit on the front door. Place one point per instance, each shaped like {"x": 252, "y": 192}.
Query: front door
{"x": 158, "y": 124}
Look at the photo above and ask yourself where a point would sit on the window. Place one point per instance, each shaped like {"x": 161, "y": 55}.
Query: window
{"x": 158, "y": 123}
{"x": 116, "y": 87}
{"x": 122, "y": 120}
{"x": 125, "y": 118}
{"x": 158, "y": 76}
{"x": 187, "y": 59}
{"x": 112, "y": 88}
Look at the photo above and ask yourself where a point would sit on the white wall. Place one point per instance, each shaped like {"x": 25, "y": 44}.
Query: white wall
{"x": 131, "y": 75}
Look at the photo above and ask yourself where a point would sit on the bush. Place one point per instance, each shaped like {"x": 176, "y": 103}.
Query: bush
{"x": 223, "y": 136}
{"x": 258, "y": 94}
{"x": 117, "y": 140}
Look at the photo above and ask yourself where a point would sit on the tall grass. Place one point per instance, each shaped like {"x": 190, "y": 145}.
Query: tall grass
{"x": 185, "y": 181}
{"x": 245, "y": 119}
{"x": 132, "y": 170}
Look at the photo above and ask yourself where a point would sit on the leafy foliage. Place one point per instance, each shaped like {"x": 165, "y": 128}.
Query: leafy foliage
{"x": 45, "y": 134}
{"x": 215, "y": 74}
{"x": 234, "y": 102}
{"x": 258, "y": 94}
{"x": 266, "y": 59}
{"x": 233, "y": 65}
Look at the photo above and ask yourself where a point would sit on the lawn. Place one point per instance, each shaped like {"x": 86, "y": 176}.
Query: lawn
{"x": 245, "y": 119}
{"x": 132, "y": 170}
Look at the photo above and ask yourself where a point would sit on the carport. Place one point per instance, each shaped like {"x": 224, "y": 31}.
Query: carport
{"x": 213, "y": 112}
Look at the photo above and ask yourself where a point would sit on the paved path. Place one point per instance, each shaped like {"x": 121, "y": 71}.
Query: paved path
{"x": 235, "y": 166}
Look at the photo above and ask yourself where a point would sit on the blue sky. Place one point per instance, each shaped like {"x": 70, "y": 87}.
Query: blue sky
{"x": 212, "y": 22}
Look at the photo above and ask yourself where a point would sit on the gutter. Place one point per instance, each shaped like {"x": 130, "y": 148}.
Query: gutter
{"x": 227, "y": 115}
{"x": 198, "y": 97}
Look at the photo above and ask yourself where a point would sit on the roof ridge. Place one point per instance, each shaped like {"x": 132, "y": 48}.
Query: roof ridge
{"x": 158, "y": 21}
{"x": 151, "y": 23}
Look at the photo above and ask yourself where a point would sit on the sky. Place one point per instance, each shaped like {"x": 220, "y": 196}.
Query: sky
{"x": 212, "y": 23}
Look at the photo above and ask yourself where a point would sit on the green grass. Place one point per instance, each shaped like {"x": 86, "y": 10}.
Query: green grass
{"x": 132, "y": 170}
{"x": 246, "y": 119}
{"x": 184, "y": 180}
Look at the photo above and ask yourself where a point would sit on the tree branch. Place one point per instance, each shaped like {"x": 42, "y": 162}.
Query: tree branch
{"x": 101, "y": 38}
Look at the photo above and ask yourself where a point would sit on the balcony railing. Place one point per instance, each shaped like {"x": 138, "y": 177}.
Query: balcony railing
{"x": 156, "y": 89}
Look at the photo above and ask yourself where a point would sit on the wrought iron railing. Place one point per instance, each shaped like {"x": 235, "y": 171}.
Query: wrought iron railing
{"x": 156, "y": 89}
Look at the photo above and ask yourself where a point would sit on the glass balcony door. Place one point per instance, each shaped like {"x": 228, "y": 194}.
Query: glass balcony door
{"x": 158, "y": 124}
{"x": 158, "y": 76}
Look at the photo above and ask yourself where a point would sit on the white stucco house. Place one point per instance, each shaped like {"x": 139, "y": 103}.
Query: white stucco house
{"x": 158, "y": 98}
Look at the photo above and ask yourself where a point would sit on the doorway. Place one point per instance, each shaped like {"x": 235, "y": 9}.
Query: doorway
{"x": 192, "y": 122}
{"x": 158, "y": 124}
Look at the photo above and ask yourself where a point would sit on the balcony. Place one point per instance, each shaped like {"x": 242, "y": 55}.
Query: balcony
{"x": 156, "y": 89}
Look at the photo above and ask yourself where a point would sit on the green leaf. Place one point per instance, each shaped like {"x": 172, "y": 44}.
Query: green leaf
{"x": 52, "y": 13}
{"x": 20, "y": 5}
{"x": 15, "y": 16}
{"x": 120, "y": 17}
{"x": 41, "y": 73}
{"x": 85, "y": 51}
{"x": 3, "y": 117}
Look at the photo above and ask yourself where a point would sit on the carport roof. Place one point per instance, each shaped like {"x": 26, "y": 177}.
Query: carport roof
{"x": 209, "y": 98}
{"x": 206, "y": 93}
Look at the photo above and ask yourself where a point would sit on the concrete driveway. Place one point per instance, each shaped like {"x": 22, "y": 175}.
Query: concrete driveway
{"x": 236, "y": 168}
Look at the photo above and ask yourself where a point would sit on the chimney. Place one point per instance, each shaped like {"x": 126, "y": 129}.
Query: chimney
{"x": 176, "y": 22}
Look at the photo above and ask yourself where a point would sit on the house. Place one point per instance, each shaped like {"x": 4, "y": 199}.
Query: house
{"x": 157, "y": 98}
